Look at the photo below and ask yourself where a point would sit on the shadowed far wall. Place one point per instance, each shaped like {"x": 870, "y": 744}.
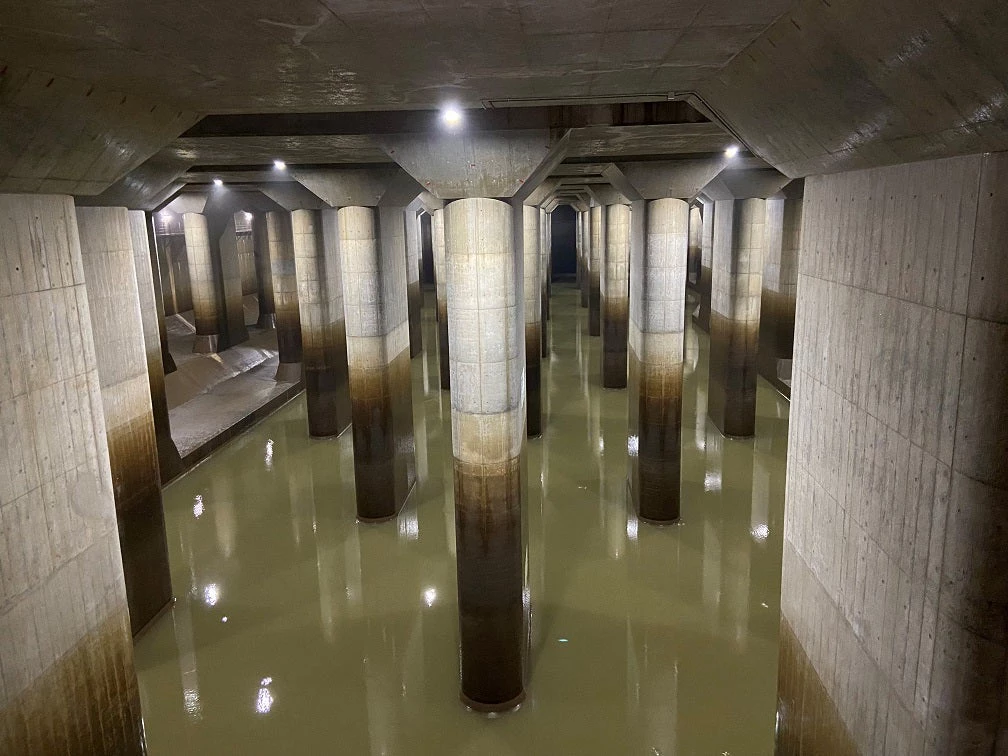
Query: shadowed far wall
{"x": 563, "y": 222}
{"x": 68, "y": 680}
{"x": 895, "y": 581}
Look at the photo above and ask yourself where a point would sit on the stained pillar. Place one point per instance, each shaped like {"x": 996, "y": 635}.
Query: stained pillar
{"x": 594, "y": 269}
{"x": 657, "y": 302}
{"x": 246, "y": 253}
{"x": 323, "y": 328}
{"x": 735, "y": 309}
{"x": 586, "y": 245}
{"x": 141, "y": 236}
{"x": 441, "y": 284}
{"x": 615, "y": 305}
{"x": 488, "y": 419}
{"x": 533, "y": 318}
{"x": 544, "y": 295}
{"x": 280, "y": 232}
{"x": 155, "y": 264}
{"x": 780, "y": 284}
{"x": 703, "y": 287}
{"x": 202, "y": 272}
{"x": 578, "y": 248}
{"x": 120, "y": 354}
{"x": 225, "y": 250}
{"x": 694, "y": 253}
{"x": 373, "y": 258}
{"x": 264, "y": 271}
{"x": 69, "y": 684}
{"x": 173, "y": 262}
{"x": 413, "y": 293}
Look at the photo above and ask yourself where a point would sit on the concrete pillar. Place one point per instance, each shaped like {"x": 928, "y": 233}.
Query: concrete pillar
{"x": 413, "y": 293}
{"x": 204, "y": 287}
{"x": 543, "y": 246}
{"x": 657, "y": 302}
{"x": 280, "y": 231}
{"x": 734, "y": 320}
{"x": 264, "y": 271}
{"x": 488, "y": 437}
{"x": 780, "y": 284}
{"x": 703, "y": 287}
{"x": 224, "y": 243}
{"x": 323, "y": 328}
{"x": 141, "y": 236}
{"x": 373, "y": 258}
{"x": 533, "y": 318}
{"x": 173, "y": 260}
{"x": 578, "y": 248}
{"x": 120, "y": 354}
{"x": 246, "y": 254}
{"x": 894, "y": 592}
{"x": 614, "y": 289}
{"x": 156, "y": 265}
{"x": 586, "y": 245}
{"x": 694, "y": 253}
{"x": 594, "y": 269}
{"x": 441, "y": 284}
{"x": 69, "y": 685}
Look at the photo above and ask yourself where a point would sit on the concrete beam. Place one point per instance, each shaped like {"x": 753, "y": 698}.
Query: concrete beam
{"x": 678, "y": 179}
{"x": 380, "y": 186}
{"x": 745, "y": 184}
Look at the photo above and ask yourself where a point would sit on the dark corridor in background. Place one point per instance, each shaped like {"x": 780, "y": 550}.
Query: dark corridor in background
{"x": 426, "y": 251}
{"x": 564, "y": 244}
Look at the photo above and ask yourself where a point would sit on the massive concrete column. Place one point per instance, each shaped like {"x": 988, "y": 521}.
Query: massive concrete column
{"x": 894, "y": 591}
{"x": 323, "y": 328}
{"x": 280, "y": 231}
{"x": 141, "y": 236}
{"x": 780, "y": 284}
{"x": 734, "y": 320}
{"x": 598, "y": 235}
{"x": 614, "y": 288}
{"x": 156, "y": 265}
{"x": 694, "y": 253}
{"x": 173, "y": 262}
{"x": 114, "y": 306}
{"x": 703, "y": 287}
{"x": 543, "y": 246}
{"x": 204, "y": 287}
{"x": 441, "y": 284}
{"x": 224, "y": 241}
{"x": 578, "y": 248}
{"x": 69, "y": 685}
{"x": 488, "y": 435}
{"x": 534, "y": 326}
{"x": 657, "y": 301}
{"x": 264, "y": 271}
{"x": 373, "y": 258}
{"x": 413, "y": 292}
{"x": 586, "y": 244}
{"x": 246, "y": 253}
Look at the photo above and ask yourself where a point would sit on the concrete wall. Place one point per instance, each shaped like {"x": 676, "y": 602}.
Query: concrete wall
{"x": 895, "y": 579}
{"x": 68, "y": 684}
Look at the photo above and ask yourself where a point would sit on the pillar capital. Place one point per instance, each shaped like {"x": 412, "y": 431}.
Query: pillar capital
{"x": 679, "y": 179}
{"x": 385, "y": 185}
{"x": 745, "y": 183}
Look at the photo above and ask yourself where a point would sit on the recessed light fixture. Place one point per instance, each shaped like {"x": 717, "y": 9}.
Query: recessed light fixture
{"x": 218, "y": 182}
{"x": 731, "y": 151}
{"x": 280, "y": 165}
{"x": 451, "y": 116}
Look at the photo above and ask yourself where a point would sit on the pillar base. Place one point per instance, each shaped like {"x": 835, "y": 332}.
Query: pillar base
{"x": 492, "y": 708}
{"x": 659, "y": 523}
{"x": 267, "y": 321}
{"x": 205, "y": 344}
{"x": 288, "y": 372}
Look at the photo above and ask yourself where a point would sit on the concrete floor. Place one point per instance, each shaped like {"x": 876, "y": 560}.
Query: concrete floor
{"x": 297, "y": 630}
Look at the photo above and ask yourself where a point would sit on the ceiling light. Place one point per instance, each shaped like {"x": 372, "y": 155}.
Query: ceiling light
{"x": 280, "y": 165}
{"x": 731, "y": 151}
{"x": 451, "y": 116}
{"x": 218, "y": 182}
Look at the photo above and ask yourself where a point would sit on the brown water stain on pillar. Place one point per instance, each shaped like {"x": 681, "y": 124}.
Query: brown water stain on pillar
{"x": 489, "y": 563}
{"x": 384, "y": 447}
{"x": 614, "y": 328}
{"x": 655, "y": 419}
{"x": 703, "y": 289}
{"x": 91, "y": 690}
{"x": 533, "y": 380}
{"x": 731, "y": 396}
{"x": 443, "y": 349}
{"x": 327, "y": 387}
{"x": 594, "y": 304}
{"x": 136, "y": 484}
{"x": 413, "y": 295}
{"x": 808, "y": 721}
{"x": 776, "y": 336}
